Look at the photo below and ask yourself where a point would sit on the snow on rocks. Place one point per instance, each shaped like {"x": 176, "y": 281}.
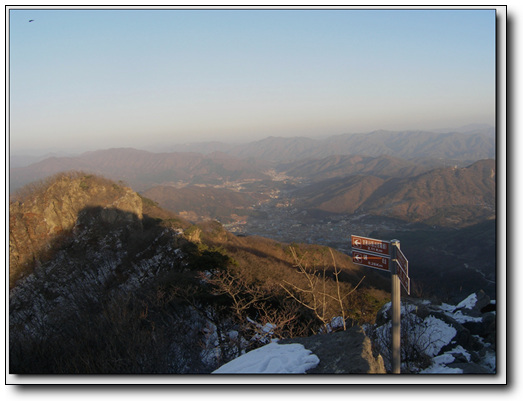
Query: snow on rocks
{"x": 433, "y": 334}
{"x": 468, "y": 302}
{"x": 272, "y": 358}
{"x": 436, "y": 339}
{"x": 446, "y": 339}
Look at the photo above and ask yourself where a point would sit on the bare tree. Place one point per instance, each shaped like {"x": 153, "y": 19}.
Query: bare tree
{"x": 315, "y": 295}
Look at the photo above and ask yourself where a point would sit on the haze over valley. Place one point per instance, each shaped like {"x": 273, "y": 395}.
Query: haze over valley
{"x": 319, "y": 191}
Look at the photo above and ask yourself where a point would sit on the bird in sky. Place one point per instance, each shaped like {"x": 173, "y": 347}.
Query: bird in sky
{"x": 31, "y": 20}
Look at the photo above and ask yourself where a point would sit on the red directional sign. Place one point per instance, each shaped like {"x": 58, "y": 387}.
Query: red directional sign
{"x": 375, "y": 261}
{"x": 370, "y": 245}
{"x": 402, "y": 265}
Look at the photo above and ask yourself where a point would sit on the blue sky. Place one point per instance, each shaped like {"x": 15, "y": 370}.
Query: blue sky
{"x": 94, "y": 79}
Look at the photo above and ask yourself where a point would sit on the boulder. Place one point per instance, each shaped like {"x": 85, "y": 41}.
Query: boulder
{"x": 482, "y": 300}
{"x": 343, "y": 352}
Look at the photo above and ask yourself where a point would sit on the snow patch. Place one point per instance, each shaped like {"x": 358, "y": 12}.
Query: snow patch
{"x": 459, "y": 317}
{"x": 437, "y": 336}
{"x": 468, "y": 303}
{"x": 272, "y": 358}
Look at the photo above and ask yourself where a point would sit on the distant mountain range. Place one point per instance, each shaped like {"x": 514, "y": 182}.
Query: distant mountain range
{"x": 214, "y": 161}
{"x": 405, "y": 145}
{"x": 443, "y": 143}
{"x": 142, "y": 169}
{"x": 443, "y": 196}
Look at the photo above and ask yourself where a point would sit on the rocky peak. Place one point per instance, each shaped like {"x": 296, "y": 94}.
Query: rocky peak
{"x": 41, "y": 213}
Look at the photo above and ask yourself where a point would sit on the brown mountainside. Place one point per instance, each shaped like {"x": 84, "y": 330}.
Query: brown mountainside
{"x": 444, "y": 196}
{"x": 343, "y": 165}
{"x": 343, "y": 195}
{"x": 447, "y": 196}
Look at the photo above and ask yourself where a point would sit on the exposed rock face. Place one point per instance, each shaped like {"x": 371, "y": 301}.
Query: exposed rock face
{"x": 344, "y": 352}
{"x": 442, "y": 338}
{"x": 101, "y": 293}
{"x": 53, "y": 210}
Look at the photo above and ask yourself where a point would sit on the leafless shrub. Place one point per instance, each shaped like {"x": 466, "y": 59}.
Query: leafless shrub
{"x": 315, "y": 295}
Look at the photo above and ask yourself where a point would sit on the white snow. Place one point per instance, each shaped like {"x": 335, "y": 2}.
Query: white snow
{"x": 460, "y": 350}
{"x": 336, "y": 322}
{"x": 434, "y": 334}
{"x": 272, "y": 358}
{"x": 405, "y": 308}
{"x": 447, "y": 308}
{"x": 456, "y": 312}
{"x": 439, "y": 362}
{"x": 264, "y": 333}
{"x": 430, "y": 334}
{"x": 468, "y": 302}
{"x": 459, "y": 317}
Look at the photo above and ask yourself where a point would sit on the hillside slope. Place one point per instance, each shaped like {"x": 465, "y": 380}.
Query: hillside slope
{"x": 448, "y": 196}
{"x": 345, "y": 165}
{"x": 445, "y": 196}
{"x": 104, "y": 281}
{"x": 342, "y": 195}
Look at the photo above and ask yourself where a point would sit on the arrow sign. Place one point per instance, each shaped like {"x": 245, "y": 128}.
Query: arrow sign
{"x": 370, "y": 245}
{"x": 402, "y": 260}
{"x": 370, "y": 260}
{"x": 403, "y": 270}
{"x": 404, "y": 278}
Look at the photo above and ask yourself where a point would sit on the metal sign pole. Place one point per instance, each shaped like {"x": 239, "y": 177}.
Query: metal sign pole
{"x": 396, "y": 312}
{"x": 386, "y": 255}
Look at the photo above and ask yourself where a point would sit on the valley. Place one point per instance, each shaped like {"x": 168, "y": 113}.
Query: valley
{"x": 447, "y": 260}
{"x": 299, "y": 190}
{"x": 279, "y": 219}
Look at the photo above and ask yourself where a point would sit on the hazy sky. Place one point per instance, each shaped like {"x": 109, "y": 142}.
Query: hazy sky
{"x": 94, "y": 79}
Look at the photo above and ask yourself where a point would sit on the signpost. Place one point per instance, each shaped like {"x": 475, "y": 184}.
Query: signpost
{"x": 371, "y": 245}
{"x": 386, "y": 256}
{"x": 403, "y": 269}
{"x": 375, "y": 261}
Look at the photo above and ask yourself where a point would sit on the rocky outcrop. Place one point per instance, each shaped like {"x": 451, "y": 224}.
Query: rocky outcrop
{"x": 343, "y": 352}
{"x": 50, "y": 211}
{"x": 442, "y": 338}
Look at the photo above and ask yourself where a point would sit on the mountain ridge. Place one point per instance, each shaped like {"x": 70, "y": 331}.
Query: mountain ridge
{"x": 443, "y": 196}
{"x": 142, "y": 169}
{"x": 118, "y": 163}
